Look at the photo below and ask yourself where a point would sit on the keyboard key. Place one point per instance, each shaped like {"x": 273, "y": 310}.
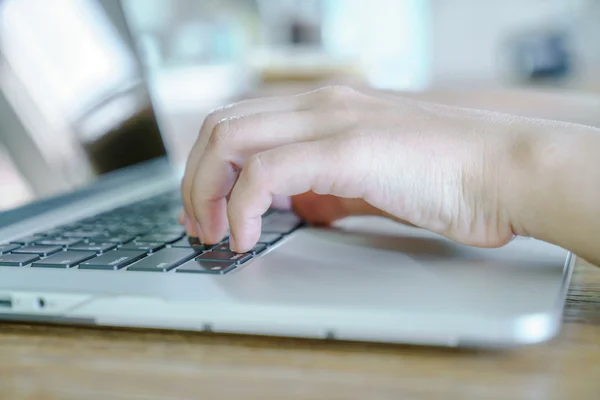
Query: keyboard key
{"x": 137, "y": 223}
{"x": 190, "y": 242}
{"x": 165, "y": 260}
{"x": 70, "y": 227}
{"x": 145, "y": 223}
{"x": 157, "y": 221}
{"x": 104, "y": 225}
{"x": 17, "y": 260}
{"x": 60, "y": 242}
{"x": 259, "y": 248}
{"x": 161, "y": 237}
{"x": 39, "y": 250}
{"x": 269, "y": 212}
{"x": 225, "y": 256}
{"x": 7, "y": 248}
{"x": 280, "y": 223}
{"x": 119, "y": 239}
{"x": 94, "y": 246}
{"x": 51, "y": 232}
{"x": 64, "y": 259}
{"x": 148, "y": 247}
{"x": 89, "y": 221}
{"x": 207, "y": 267}
{"x": 114, "y": 260}
{"x": 127, "y": 230}
{"x": 83, "y": 234}
{"x": 87, "y": 227}
{"x": 269, "y": 238}
{"x": 27, "y": 239}
{"x": 170, "y": 229}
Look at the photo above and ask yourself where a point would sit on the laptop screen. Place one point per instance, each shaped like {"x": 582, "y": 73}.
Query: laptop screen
{"x": 73, "y": 100}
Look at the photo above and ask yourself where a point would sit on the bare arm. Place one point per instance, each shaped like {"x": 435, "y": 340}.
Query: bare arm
{"x": 556, "y": 190}
{"x": 558, "y": 174}
{"x": 547, "y": 187}
{"x": 559, "y": 198}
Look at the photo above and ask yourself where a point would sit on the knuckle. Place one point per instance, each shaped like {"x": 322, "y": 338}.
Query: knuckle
{"x": 213, "y": 118}
{"x": 220, "y": 135}
{"x": 209, "y": 123}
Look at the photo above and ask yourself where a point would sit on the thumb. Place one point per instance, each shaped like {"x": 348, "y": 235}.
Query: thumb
{"x": 319, "y": 209}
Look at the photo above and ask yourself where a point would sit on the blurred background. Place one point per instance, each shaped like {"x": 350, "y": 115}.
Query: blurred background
{"x": 59, "y": 55}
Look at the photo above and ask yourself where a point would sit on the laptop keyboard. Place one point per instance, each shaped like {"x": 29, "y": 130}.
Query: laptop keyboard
{"x": 143, "y": 237}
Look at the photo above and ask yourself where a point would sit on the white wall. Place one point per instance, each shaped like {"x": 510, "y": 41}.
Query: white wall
{"x": 469, "y": 35}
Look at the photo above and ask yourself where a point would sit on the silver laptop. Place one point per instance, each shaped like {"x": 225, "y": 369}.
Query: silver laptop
{"x": 109, "y": 251}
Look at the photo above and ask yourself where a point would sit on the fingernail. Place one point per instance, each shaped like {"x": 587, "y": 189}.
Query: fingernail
{"x": 199, "y": 232}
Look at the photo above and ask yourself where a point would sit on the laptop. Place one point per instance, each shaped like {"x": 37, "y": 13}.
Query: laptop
{"x": 108, "y": 251}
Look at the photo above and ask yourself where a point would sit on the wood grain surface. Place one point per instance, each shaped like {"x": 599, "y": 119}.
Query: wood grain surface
{"x": 53, "y": 362}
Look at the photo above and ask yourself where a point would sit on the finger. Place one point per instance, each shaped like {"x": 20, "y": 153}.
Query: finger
{"x": 323, "y": 210}
{"x": 283, "y": 203}
{"x": 324, "y": 167}
{"x": 189, "y": 227}
{"x": 248, "y": 107}
{"x": 298, "y": 102}
{"x": 232, "y": 142}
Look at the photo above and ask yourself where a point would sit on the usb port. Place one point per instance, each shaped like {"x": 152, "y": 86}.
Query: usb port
{"x": 6, "y": 303}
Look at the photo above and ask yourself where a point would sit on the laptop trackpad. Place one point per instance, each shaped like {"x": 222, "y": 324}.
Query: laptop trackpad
{"x": 369, "y": 261}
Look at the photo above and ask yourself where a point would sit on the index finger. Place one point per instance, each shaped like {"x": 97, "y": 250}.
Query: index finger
{"x": 247, "y": 107}
{"x": 323, "y": 167}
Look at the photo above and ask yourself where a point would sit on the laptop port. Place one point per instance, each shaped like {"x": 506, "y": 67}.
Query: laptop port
{"x": 41, "y": 303}
{"x": 6, "y": 302}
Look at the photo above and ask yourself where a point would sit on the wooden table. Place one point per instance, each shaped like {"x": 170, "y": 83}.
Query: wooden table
{"x": 49, "y": 362}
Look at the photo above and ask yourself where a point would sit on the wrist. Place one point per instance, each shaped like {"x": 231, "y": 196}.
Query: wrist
{"x": 550, "y": 189}
{"x": 533, "y": 160}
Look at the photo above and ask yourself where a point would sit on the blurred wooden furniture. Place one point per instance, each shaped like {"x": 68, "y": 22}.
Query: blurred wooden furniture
{"x": 39, "y": 362}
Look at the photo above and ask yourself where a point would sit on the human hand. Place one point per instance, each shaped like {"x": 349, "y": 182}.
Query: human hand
{"x": 338, "y": 152}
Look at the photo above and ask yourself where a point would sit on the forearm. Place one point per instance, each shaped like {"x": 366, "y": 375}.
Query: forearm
{"x": 555, "y": 187}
